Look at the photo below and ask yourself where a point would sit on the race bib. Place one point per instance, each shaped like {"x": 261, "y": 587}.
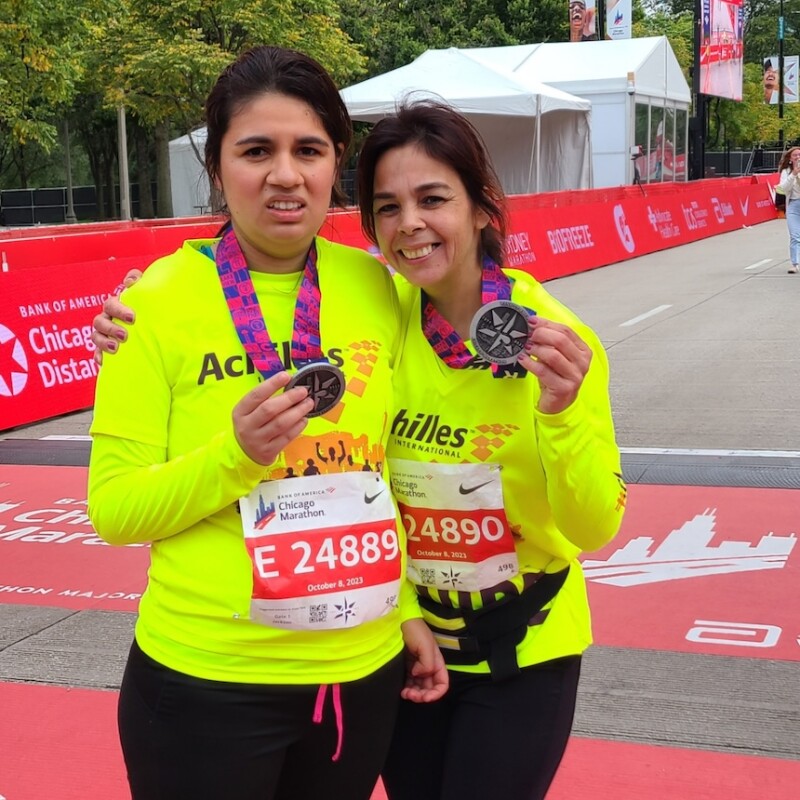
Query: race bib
{"x": 325, "y": 551}
{"x": 456, "y": 526}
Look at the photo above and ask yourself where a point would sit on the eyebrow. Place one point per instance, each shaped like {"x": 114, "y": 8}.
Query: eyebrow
{"x": 258, "y": 139}
{"x": 425, "y": 187}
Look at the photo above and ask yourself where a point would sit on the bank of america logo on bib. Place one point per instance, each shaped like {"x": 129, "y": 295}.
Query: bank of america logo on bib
{"x": 13, "y": 364}
{"x": 687, "y": 552}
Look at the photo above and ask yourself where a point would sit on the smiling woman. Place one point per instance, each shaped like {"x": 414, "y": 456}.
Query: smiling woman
{"x": 504, "y": 468}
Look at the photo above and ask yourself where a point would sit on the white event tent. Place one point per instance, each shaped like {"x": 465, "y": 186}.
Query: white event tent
{"x": 538, "y": 136}
{"x": 190, "y": 188}
{"x": 636, "y": 87}
{"x": 559, "y": 115}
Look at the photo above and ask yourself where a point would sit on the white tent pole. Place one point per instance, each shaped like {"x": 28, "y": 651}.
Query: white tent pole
{"x": 538, "y": 139}
{"x": 533, "y": 155}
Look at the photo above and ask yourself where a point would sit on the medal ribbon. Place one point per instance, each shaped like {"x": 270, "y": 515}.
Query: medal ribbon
{"x": 444, "y": 339}
{"x": 237, "y": 286}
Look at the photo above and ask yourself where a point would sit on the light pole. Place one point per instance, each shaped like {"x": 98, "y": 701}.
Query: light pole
{"x": 124, "y": 182}
{"x": 781, "y": 28}
{"x": 70, "y": 215}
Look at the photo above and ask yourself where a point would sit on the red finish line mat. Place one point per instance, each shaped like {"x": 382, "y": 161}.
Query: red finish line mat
{"x": 49, "y": 553}
{"x": 62, "y": 743}
{"x": 594, "y": 769}
{"x": 59, "y": 743}
{"x": 701, "y": 569}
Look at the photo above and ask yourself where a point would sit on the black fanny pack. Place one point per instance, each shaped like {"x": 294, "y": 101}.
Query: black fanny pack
{"x": 492, "y": 634}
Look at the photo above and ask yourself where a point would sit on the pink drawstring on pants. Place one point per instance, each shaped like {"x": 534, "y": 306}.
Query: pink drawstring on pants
{"x": 337, "y": 710}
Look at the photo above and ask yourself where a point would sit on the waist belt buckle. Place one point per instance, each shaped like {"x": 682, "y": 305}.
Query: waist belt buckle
{"x": 462, "y": 644}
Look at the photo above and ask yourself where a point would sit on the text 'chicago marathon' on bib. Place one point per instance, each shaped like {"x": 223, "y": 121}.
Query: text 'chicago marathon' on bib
{"x": 325, "y": 551}
{"x": 458, "y": 535}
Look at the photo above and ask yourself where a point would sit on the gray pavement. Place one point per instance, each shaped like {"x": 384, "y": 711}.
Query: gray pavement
{"x": 705, "y": 365}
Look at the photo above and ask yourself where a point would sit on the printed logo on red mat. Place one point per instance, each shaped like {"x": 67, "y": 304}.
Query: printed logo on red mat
{"x": 701, "y": 569}
{"x": 49, "y": 553}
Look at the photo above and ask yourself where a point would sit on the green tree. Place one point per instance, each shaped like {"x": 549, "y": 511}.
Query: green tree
{"x": 159, "y": 59}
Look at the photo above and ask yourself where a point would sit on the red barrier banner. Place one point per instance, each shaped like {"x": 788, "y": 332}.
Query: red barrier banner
{"x": 57, "y": 282}
{"x": 562, "y": 233}
{"x": 46, "y": 364}
{"x": 557, "y": 241}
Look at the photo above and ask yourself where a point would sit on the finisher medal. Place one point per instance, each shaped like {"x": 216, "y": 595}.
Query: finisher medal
{"x": 499, "y": 331}
{"x": 325, "y": 384}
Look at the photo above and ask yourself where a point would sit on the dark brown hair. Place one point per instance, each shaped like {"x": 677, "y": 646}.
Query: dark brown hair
{"x": 787, "y": 159}
{"x": 277, "y": 70}
{"x": 446, "y": 136}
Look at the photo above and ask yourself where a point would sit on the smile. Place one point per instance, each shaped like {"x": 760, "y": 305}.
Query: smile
{"x": 282, "y": 205}
{"x": 420, "y": 252}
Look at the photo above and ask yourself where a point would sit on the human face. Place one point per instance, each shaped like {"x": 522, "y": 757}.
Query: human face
{"x": 770, "y": 78}
{"x": 427, "y": 226}
{"x": 794, "y": 158}
{"x": 576, "y": 13}
{"x": 277, "y": 168}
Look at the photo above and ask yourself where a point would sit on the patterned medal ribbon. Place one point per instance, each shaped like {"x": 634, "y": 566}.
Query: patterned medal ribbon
{"x": 444, "y": 339}
{"x": 248, "y": 319}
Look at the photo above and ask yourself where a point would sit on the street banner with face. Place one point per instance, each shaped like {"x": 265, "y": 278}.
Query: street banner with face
{"x": 582, "y": 26}
{"x": 790, "y": 79}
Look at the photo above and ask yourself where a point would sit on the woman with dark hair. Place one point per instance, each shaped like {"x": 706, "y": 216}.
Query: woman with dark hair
{"x": 267, "y": 660}
{"x": 504, "y": 469}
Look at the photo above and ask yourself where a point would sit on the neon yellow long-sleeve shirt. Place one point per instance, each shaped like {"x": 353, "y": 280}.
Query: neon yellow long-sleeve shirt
{"x": 166, "y": 467}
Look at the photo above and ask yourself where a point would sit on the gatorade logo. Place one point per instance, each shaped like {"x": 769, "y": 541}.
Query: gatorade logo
{"x": 13, "y": 364}
{"x": 623, "y": 229}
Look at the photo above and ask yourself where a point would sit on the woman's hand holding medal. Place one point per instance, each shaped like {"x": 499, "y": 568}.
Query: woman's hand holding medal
{"x": 560, "y": 359}
{"x": 266, "y": 419}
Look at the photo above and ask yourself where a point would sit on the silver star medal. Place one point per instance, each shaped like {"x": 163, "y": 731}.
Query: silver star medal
{"x": 499, "y": 331}
{"x": 325, "y": 384}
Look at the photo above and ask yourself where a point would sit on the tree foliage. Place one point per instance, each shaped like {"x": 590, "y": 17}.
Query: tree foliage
{"x": 39, "y": 66}
{"x": 158, "y": 58}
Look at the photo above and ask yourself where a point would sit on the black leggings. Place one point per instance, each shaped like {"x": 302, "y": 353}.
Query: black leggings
{"x": 185, "y": 738}
{"x": 485, "y": 739}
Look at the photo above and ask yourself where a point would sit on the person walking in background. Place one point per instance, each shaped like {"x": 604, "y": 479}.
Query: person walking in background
{"x": 254, "y": 674}
{"x": 789, "y": 185}
{"x": 504, "y": 474}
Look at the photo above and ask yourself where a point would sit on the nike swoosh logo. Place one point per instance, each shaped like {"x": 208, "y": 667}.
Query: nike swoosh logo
{"x": 463, "y": 490}
{"x": 368, "y": 499}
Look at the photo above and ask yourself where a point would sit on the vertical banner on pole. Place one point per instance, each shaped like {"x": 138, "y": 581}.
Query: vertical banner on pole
{"x": 721, "y": 48}
{"x": 582, "y": 21}
{"x": 790, "y": 81}
{"x": 618, "y": 19}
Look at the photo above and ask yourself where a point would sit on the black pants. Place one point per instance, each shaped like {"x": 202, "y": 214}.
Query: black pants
{"x": 184, "y": 738}
{"x": 485, "y": 739}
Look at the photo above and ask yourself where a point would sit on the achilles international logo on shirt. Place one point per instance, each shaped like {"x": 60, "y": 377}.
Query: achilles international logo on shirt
{"x": 434, "y": 436}
{"x": 324, "y": 549}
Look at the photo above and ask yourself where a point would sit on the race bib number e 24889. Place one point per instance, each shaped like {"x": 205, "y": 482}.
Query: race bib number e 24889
{"x": 325, "y": 551}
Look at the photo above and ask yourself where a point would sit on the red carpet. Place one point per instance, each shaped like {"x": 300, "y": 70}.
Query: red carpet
{"x": 701, "y": 570}
{"x": 597, "y": 770}
{"x": 724, "y": 562}
{"x": 49, "y": 553}
{"x": 61, "y": 744}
